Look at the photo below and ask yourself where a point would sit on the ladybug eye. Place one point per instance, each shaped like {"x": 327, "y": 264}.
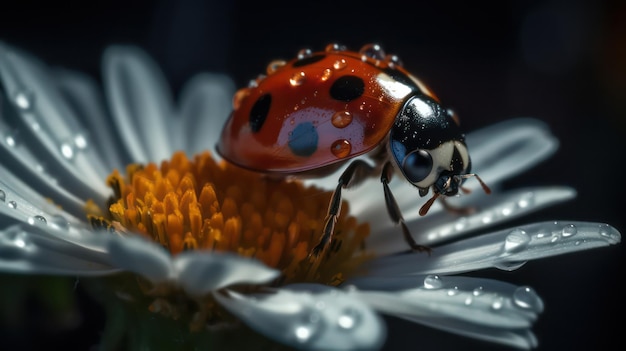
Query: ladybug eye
{"x": 417, "y": 165}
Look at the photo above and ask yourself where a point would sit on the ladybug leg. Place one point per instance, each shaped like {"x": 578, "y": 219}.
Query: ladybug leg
{"x": 394, "y": 210}
{"x": 354, "y": 174}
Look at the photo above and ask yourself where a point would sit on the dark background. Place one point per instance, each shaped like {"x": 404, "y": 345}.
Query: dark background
{"x": 560, "y": 61}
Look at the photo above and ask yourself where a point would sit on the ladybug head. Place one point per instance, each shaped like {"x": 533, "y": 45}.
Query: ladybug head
{"x": 429, "y": 147}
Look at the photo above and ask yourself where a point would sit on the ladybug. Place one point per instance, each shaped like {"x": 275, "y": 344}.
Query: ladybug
{"x": 311, "y": 115}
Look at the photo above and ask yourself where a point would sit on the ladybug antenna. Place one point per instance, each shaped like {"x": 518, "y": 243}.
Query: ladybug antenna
{"x": 482, "y": 184}
{"x": 425, "y": 207}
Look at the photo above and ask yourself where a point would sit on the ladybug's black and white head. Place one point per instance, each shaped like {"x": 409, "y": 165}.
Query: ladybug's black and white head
{"x": 429, "y": 147}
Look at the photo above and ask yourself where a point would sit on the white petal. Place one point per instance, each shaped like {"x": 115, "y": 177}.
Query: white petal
{"x": 505, "y": 249}
{"x": 205, "y": 104}
{"x": 83, "y": 95}
{"x": 41, "y": 249}
{"x": 480, "y": 308}
{"x": 441, "y": 225}
{"x": 506, "y": 149}
{"x": 135, "y": 254}
{"x": 47, "y": 141}
{"x": 20, "y": 202}
{"x": 201, "y": 272}
{"x": 140, "y": 102}
{"x": 327, "y": 319}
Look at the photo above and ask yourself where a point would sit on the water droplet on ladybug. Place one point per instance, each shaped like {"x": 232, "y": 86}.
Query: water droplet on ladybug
{"x": 340, "y": 64}
{"x": 273, "y": 66}
{"x": 304, "y": 53}
{"x": 341, "y": 148}
{"x": 239, "y": 96}
{"x": 393, "y": 60}
{"x": 341, "y": 119}
{"x": 334, "y": 47}
{"x": 373, "y": 51}
{"x": 326, "y": 74}
{"x": 297, "y": 79}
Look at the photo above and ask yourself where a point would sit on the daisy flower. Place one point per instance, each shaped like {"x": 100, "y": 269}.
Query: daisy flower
{"x": 186, "y": 250}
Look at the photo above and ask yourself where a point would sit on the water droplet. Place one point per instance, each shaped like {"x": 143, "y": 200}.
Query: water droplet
{"x": 526, "y": 298}
{"x": 12, "y": 139}
{"x": 239, "y": 96}
{"x": 526, "y": 200}
{"x": 334, "y": 47}
{"x": 340, "y": 64}
{"x": 498, "y": 303}
{"x": 24, "y": 100}
{"x": 348, "y": 318}
{"x": 432, "y": 282}
{"x": 304, "y": 53}
{"x": 273, "y": 66}
{"x": 12, "y": 204}
{"x": 478, "y": 291}
{"x": 393, "y": 60}
{"x": 326, "y": 74}
{"x": 59, "y": 221}
{"x": 341, "y": 148}
{"x": 454, "y": 291}
{"x": 516, "y": 241}
{"x": 341, "y": 119}
{"x": 37, "y": 220}
{"x": 487, "y": 218}
{"x": 308, "y": 325}
{"x": 460, "y": 224}
{"x": 373, "y": 51}
{"x": 297, "y": 79}
{"x": 80, "y": 141}
{"x": 67, "y": 150}
{"x": 569, "y": 230}
{"x": 3, "y": 195}
{"x": 506, "y": 211}
{"x": 469, "y": 300}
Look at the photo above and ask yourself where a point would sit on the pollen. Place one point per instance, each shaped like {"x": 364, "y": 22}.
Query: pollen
{"x": 202, "y": 204}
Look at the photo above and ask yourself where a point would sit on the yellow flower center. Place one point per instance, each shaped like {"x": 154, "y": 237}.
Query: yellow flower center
{"x": 201, "y": 204}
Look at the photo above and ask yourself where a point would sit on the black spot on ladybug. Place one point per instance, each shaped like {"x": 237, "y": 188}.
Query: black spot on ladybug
{"x": 308, "y": 60}
{"x": 259, "y": 111}
{"x": 347, "y": 88}
{"x": 303, "y": 139}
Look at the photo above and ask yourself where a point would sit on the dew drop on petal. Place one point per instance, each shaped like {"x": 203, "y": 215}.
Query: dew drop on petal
{"x": 59, "y": 221}
{"x": 3, "y": 195}
{"x": 526, "y": 298}
{"x": 432, "y": 282}
{"x": 24, "y": 100}
{"x": 604, "y": 229}
{"x": 454, "y": 291}
{"x": 516, "y": 240}
{"x": 34, "y": 220}
{"x": 12, "y": 139}
{"x": 460, "y": 224}
{"x": 498, "y": 303}
{"x": 349, "y": 318}
{"x": 478, "y": 291}
{"x": 526, "y": 200}
{"x": 67, "y": 150}
{"x": 297, "y": 79}
{"x": 469, "y": 300}
{"x": 80, "y": 141}
{"x": 12, "y": 204}
{"x": 307, "y": 327}
{"x": 569, "y": 230}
